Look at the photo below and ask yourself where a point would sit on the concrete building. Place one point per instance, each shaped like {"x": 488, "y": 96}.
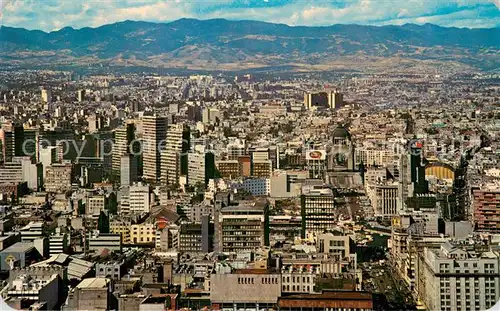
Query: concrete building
{"x": 336, "y": 244}
{"x": 80, "y": 95}
{"x": 257, "y": 186}
{"x": 123, "y": 138}
{"x": 323, "y": 100}
{"x": 245, "y": 289}
{"x": 211, "y": 115}
{"x": 48, "y": 156}
{"x": 128, "y": 170}
{"x": 286, "y": 184}
{"x": 317, "y": 209}
{"x": 262, "y": 168}
{"x": 41, "y": 292}
{"x": 327, "y": 300}
{"x": 139, "y": 198}
{"x": 298, "y": 279}
{"x": 142, "y": 233}
{"x": 229, "y": 168}
{"x": 121, "y": 227}
{"x": 95, "y": 203}
{"x": 174, "y": 159}
{"x": 201, "y": 167}
{"x": 19, "y": 255}
{"x": 58, "y": 242}
{"x": 154, "y": 133}
{"x": 485, "y": 206}
{"x": 19, "y": 170}
{"x": 197, "y": 238}
{"x": 58, "y": 178}
{"x": 385, "y": 199}
{"x": 92, "y": 294}
{"x": 46, "y": 96}
{"x": 243, "y": 227}
{"x": 99, "y": 241}
{"x": 457, "y": 277}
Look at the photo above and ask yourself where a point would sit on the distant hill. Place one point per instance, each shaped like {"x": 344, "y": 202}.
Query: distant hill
{"x": 235, "y": 45}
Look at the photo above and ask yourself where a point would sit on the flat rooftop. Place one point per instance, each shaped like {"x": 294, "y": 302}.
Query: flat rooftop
{"x": 93, "y": 283}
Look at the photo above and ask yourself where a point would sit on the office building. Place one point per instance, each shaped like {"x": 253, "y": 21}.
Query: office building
{"x": 99, "y": 241}
{"x": 81, "y": 95}
{"x": 458, "y": 277}
{"x": 316, "y": 163}
{"x": 485, "y": 207}
{"x": 48, "y": 156}
{"x": 384, "y": 198}
{"x": 211, "y": 115}
{"x": 323, "y": 100}
{"x": 154, "y": 133}
{"x": 142, "y": 234}
{"x": 58, "y": 178}
{"x": 58, "y": 242}
{"x": 197, "y": 238}
{"x": 262, "y": 168}
{"x": 228, "y": 168}
{"x": 128, "y": 170}
{"x": 334, "y": 244}
{"x": 243, "y": 227}
{"x": 122, "y": 142}
{"x": 139, "y": 198}
{"x": 245, "y": 289}
{"x": 174, "y": 159}
{"x": 46, "y": 96}
{"x": 201, "y": 167}
{"x": 317, "y": 210}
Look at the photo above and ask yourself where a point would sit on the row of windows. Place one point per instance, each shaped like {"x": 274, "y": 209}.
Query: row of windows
{"x": 294, "y": 288}
{"x": 266, "y": 280}
{"x": 296, "y": 279}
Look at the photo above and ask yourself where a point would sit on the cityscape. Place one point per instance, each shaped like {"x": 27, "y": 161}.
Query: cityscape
{"x": 244, "y": 165}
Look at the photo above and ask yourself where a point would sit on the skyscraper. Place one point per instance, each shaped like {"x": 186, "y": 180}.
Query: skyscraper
{"x": 46, "y": 96}
{"x": 128, "y": 170}
{"x": 155, "y": 132}
{"x": 123, "y": 138}
{"x": 174, "y": 157}
{"x": 81, "y": 95}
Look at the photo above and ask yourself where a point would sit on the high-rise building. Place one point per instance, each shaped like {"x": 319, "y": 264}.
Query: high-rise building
{"x": 81, "y": 95}
{"x": 128, "y": 170}
{"x": 58, "y": 178}
{"x": 201, "y": 167}
{"x": 139, "y": 198}
{"x": 12, "y": 139}
{"x": 317, "y": 209}
{"x": 154, "y": 132}
{"x": 123, "y": 138}
{"x": 243, "y": 227}
{"x": 323, "y": 100}
{"x": 46, "y": 96}
{"x": 485, "y": 206}
{"x": 458, "y": 277}
{"x": 211, "y": 115}
{"x": 174, "y": 159}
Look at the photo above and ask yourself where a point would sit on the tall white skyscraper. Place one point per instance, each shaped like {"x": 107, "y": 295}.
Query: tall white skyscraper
{"x": 174, "y": 156}
{"x": 46, "y": 96}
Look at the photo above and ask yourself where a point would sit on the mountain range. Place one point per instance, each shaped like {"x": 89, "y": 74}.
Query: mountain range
{"x": 220, "y": 44}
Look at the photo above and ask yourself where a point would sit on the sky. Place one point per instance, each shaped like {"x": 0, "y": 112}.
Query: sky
{"x": 49, "y": 15}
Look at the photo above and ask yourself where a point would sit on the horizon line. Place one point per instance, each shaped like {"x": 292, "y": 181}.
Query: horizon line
{"x": 242, "y": 20}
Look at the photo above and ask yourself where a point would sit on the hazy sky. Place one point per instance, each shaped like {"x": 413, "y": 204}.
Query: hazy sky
{"x": 54, "y": 14}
